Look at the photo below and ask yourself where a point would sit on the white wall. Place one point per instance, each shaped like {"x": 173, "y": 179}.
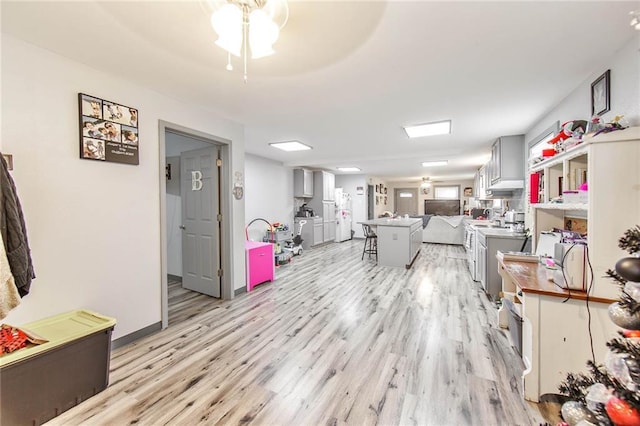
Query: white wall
{"x": 350, "y": 185}
{"x": 625, "y": 91}
{"x": 93, "y": 227}
{"x": 269, "y": 194}
{"x": 625, "y": 96}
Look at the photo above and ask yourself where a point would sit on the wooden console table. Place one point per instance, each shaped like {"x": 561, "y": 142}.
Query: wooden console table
{"x": 555, "y": 333}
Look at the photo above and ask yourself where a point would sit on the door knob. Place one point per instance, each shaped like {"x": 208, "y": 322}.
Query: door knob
{"x": 182, "y": 227}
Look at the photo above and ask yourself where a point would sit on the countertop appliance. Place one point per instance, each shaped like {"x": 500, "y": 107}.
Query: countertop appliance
{"x": 305, "y": 211}
{"x": 344, "y": 218}
{"x": 571, "y": 259}
{"x": 514, "y": 220}
{"x": 513, "y": 216}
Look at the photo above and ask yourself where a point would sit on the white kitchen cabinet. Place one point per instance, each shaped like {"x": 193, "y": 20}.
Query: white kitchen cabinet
{"x": 318, "y": 231}
{"x": 302, "y": 183}
{"x": 480, "y": 183}
{"x": 490, "y": 241}
{"x": 329, "y": 221}
{"x": 312, "y": 231}
{"x": 506, "y": 168}
{"x": 325, "y": 185}
{"x": 324, "y": 201}
{"x": 554, "y": 324}
{"x": 610, "y": 161}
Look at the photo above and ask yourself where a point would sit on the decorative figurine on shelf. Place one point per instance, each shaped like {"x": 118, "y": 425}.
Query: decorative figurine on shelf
{"x": 570, "y": 129}
{"x": 611, "y": 393}
{"x": 618, "y": 123}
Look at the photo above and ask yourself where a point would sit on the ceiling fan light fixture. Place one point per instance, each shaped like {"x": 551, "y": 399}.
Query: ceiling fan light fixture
{"x": 635, "y": 20}
{"x": 435, "y": 163}
{"x": 290, "y": 146}
{"x": 263, "y": 33}
{"x": 428, "y": 129}
{"x": 243, "y": 25}
{"x": 426, "y": 182}
{"x": 227, "y": 23}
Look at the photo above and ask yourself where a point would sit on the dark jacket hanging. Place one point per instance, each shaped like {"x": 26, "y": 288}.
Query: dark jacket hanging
{"x": 14, "y": 231}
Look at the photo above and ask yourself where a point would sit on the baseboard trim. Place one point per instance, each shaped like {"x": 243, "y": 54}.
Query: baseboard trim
{"x": 239, "y": 291}
{"x": 174, "y": 277}
{"x": 132, "y": 337}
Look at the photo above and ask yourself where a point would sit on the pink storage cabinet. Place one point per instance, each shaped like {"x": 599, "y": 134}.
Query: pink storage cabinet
{"x": 260, "y": 263}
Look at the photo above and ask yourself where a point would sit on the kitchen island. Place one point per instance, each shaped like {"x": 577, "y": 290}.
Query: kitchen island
{"x": 399, "y": 240}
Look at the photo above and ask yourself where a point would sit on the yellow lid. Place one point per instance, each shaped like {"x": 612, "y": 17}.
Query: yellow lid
{"x": 58, "y": 330}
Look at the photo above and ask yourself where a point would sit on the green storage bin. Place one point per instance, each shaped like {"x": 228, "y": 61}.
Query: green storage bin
{"x": 39, "y": 382}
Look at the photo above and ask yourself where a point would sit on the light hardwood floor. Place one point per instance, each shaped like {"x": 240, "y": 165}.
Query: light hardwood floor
{"x": 334, "y": 340}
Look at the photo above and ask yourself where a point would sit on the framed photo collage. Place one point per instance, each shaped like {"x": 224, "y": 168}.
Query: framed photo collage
{"x": 108, "y": 131}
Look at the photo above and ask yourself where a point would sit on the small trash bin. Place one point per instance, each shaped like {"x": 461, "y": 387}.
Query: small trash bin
{"x": 515, "y": 324}
{"x": 39, "y": 382}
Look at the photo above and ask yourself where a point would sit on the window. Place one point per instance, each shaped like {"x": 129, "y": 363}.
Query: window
{"x": 538, "y": 144}
{"x": 446, "y": 192}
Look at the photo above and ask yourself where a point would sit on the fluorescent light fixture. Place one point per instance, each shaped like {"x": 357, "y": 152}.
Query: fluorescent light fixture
{"x": 348, "y": 169}
{"x": 428, "y": 129}
{"x": 406, "y": 195}
{"x": 435, "y": 163}
{"x": 290, "y": 146}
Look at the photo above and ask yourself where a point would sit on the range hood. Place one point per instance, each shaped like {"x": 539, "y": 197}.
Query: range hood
{"x": 504, "y": 185}
{"x": 494, "y": 194}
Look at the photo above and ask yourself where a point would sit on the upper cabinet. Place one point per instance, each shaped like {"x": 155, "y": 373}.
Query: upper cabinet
{"x": 327, "y": 182}
{"x": 506, "y": 168}
{"x": 480, "y": 183}
{"x": 302, "y": 183}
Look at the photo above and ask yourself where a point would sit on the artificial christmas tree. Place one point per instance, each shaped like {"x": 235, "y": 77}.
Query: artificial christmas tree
{"x": 610, "y": 394}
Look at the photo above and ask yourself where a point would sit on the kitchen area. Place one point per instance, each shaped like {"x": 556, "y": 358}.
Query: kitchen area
{"x": 323, "y": 212}
{"x": 497, "y": 220}
{"x": 484, "y": 238}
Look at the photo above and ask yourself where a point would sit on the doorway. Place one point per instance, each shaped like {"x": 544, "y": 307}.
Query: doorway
{"x": 406, "y": 201}
{"x": 370, "y": 204}
{"x": 175, "y": 140}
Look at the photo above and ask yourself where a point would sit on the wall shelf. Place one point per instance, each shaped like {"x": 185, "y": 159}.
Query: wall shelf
{"x": 609, "y": 164}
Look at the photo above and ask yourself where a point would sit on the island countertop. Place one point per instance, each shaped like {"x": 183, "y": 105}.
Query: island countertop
{"x": 400, "y": 222}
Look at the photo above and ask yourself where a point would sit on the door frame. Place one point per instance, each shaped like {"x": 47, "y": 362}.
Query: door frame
{"x": 370, "y": 202}
{"x": 226, "y": 284}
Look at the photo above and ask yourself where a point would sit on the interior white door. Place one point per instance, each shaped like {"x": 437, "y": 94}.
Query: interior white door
{"x": 200, "y": 226}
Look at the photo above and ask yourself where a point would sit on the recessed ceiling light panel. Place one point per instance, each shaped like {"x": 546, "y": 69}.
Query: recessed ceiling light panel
{"x": 349, "y": 169}
{"x": 435, "y": 163}
{"x": 290, "y": 146}
{"x": 428, "y": 129}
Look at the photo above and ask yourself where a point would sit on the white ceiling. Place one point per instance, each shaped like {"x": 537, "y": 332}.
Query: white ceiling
{"x": 348, "y": 75}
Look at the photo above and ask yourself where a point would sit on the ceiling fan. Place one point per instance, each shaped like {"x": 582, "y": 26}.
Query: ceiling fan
{"x": 427, "y": 182}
